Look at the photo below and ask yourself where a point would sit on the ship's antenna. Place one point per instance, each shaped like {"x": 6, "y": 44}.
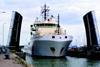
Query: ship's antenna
{"x": 58, "y": 25}
{"x": 45, "y": 11}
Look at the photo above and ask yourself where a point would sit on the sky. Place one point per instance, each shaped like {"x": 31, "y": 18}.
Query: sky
{"x": 71, "y": 16}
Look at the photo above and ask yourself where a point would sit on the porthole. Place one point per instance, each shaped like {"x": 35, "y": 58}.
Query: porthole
{"x": 53, "y": 36}
{"x": 65, "y": 36}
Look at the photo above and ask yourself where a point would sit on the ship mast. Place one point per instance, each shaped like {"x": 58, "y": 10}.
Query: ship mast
{"x": 45, "y": 12}
{"x": 58, "y": 26}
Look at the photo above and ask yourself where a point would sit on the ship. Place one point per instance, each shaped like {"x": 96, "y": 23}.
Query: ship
{"x": 48, "y": 39}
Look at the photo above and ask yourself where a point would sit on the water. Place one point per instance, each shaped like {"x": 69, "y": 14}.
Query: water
{"x": 63, "y": 62}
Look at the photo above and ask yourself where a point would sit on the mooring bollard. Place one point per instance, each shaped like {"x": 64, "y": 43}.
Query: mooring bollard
{"x": 7, "y": 53}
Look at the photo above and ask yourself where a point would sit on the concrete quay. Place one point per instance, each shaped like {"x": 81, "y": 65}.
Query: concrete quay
{"x": 12, "y": 62}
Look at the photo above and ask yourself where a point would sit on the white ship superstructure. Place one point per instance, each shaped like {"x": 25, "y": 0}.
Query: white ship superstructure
{"x": 47, "y": 37}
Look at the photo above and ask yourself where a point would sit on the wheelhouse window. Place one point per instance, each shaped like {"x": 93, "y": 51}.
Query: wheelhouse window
{"x": 46, "y": 25}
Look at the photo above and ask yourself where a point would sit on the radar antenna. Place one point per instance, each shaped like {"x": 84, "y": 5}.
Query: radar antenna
{"x": 45, "y": 12}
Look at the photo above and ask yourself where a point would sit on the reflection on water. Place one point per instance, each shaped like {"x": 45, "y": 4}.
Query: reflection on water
{"x": 64, "y": 62}
{"x": 76, "y": 62}
{"x": 49, "y": 63}
{"x": 93, "y": 63}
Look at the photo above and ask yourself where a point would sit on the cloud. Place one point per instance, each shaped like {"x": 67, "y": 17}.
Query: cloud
{"x": 71, "y": 14}
{"x": 78, "y": 33}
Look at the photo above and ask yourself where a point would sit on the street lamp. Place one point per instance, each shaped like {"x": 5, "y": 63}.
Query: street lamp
{"x": 3, "y": 33}
{"x": 5, "y": 17}
{"x": 3, "y": 12}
